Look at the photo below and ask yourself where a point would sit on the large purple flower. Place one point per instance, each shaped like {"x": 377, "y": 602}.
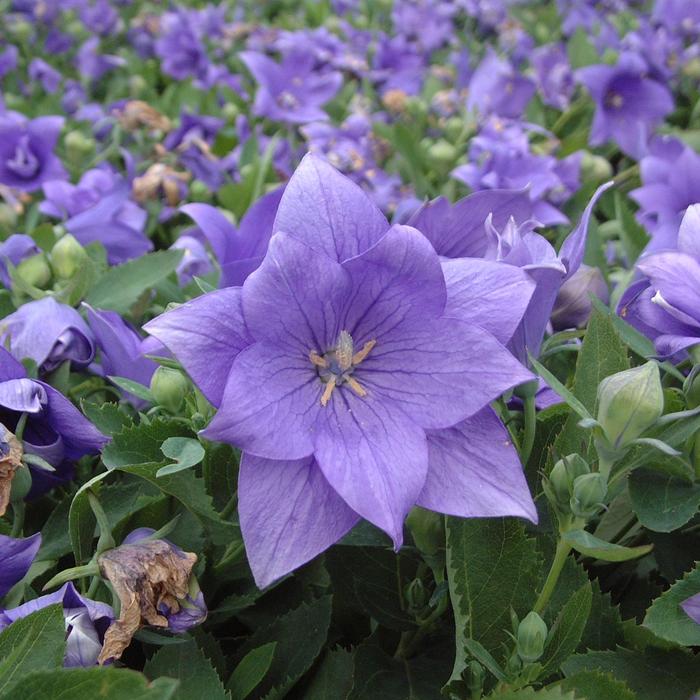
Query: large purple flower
{"x": 55, "y": 430}
{"x": 86, "y": 623}
{"x": 292, "y": 91}
{"x": 355, "y": 371}
{"x": 17, "y": 556}
{"x": 628, "y": 103}
{"x": 27, "y": 158}
{"x": 666, "y": 305}
{"x": 49, "y": 333}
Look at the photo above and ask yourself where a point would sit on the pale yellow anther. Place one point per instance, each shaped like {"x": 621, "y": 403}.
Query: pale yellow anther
{"x": 362, "y": 354}
{"x": 328, "y": 391}
{"x": 355, "y": 386}
{"x": 343, "y": 352}
{"x": 317, "y": 360}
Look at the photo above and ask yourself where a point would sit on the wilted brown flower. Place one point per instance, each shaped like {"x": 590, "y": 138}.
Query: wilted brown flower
{"x": 395, "y": 100}
{"x": 160, "y": 177}
{"x": 10, "y": 459}
{"x": 136, "y": 114}
{"x": 149, "y": 577}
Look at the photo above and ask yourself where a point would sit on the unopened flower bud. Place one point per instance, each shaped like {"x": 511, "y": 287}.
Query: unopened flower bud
{"x": 199, "y": 191}
{"x": 442, "y": 153}
{"x": 137, "y": 85}
{"x": 454, "y": 127}
{"x": 691, "y": 388}
{"x": 531, "y": 638}
{"x": 34, "y": 270}
{"x": 559, "y": 484}
{"x": 8, "y": 216}
{"x": 78, "y": 146}
{"x": 595, "y": 168}
{"x": 169, "y": 387}
{"x": 573, "y": 305}
{"x": 67, "y": 257}
{"x": 230, "y": 111}
{"x": 692, "y": 68}
{"x": 475, "y": 676}
{"x": 416, "y": 595}
{"x": 21, "y": 484}
{"x": 629, "y": 403}
{"x": 588, "y": 494}
{"x": 428, "y": 530}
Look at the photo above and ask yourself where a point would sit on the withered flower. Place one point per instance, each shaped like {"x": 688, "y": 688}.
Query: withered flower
{"x": 10, "y": 460}
{"x": 395, "y": 100}
{"x": 160, "y": 177}
{"x": 153, "y": 580}
{"x": 136, "y": 114}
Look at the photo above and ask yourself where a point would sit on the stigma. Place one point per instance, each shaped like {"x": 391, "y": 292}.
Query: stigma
{"x": 336, "y": 366}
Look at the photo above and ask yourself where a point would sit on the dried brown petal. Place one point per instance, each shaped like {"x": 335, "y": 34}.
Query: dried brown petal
{"x": 136, "y": 114}
{"x": 160, "y": 177}
{"x": 10, "y": 460}
{"x": 395, "y": 100}
{"x": 145, "y": 576}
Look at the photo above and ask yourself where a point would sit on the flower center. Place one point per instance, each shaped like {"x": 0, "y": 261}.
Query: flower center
{"x": 287, "y": 100}
{"x": 614, "y": 100}
{"x": 24, "y": 163}
{"x": 336, "y": 366}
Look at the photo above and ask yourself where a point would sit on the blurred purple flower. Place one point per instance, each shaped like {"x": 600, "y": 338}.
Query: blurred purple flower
{"x": 355, "y": 371}
{"x": 41, "y": 72}
{"x": 17, "y": 556}
{"x": 180, "y": 48}
{"x": 8, "y": 60}
{"x": 92, "y": 64}
{"x": 629, "y": 105}
{"x": 555, "y": 79}
{"x": 292, "y": 91}
{"x": 27, "y": 158}
{"x": 573, "y": 304}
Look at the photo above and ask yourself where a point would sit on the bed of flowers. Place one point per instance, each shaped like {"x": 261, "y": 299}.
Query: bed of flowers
{"x": 349, "y": 349}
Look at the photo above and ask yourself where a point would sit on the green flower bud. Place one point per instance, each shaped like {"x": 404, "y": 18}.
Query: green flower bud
{"x": 454, "y": 127}
{"x": 67, "y": 257}
{"x": 34, "y": 270}
{"x": 169, "y": 387}
{"x": 692, "y": 68}
{"x": 21, "y": 484}
{"x": 595, "y": 168}
{"x": 691, "y": 388}
{"x": 531, "y": 637}
{"x": 416, "y": 595}
{"x": 629, "y": 403}
{"x": 559, "y": 485}
{"x": 20, "y": 30}
{"x": 78, "y": 145}
{"x": 428, "y": 530}
{"x": 8, "y": 216}
{"x": 442, "y": 153}
{"x": 588, "y": 495}
{"x": 230, "y": 111}
{"x": 475, "y": 676}
{"x": 137, "y": 85}
{"x": 200, "y": 191}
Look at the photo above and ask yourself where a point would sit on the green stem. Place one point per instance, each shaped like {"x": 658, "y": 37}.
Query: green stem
{"x": 410, "y": 640}
{"x": 230, "y": 507}
{"x": 530, "y": 420}
{"x": 560, "y": 555}
{"x": 17, "y": 518}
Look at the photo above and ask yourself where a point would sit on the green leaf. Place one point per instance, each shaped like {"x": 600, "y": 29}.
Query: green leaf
{"x": 188, "y": 664}
{"x": 102, "y": 683}
{"x": 333, "y": 678}
{"x": 551, "y": 693}
{"x": 662, "y": 502}
{"x": 107, "y": 418}
{"x": 187, "y": 453}
{"x": 81, "y": 519}
{"x": 121, "y": 286}
{"x": 295, "y": 651}
{"x": 567, "y": 630}
{"x": 32, "y": 643}
{"x": 580, "y": 49}
{"x": 602, "y": 354}
{"x": 492, "y": 567}
{"x": 132, "y": 387}
{"x": 251, "y": 670}
{"x": 560, "y": 389}
{"x": 140, "y": 444}
{"x": 637, "y": 342}
{"x": 654, "y": 674}
{"x": 220, "y": 472}
{"x": 591, "y": 546}
{"x": 666, "y": 619}
{"x": 593, "y": 684}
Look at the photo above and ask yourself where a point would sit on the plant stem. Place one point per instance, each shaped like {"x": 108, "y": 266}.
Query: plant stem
{"x": 17, "y": 518}
{"x": 560, "y": 555}
{"x": 530, "y": 420}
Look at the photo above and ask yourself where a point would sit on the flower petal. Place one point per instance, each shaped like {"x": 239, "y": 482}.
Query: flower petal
{"x": 344, "y": 223}
{"x": 289, "y": 514}
{"x": 17, "y": 556}
{"x": 205, "y": 335}
{"x": 375, "y": 459}
{"x": 475, "y": 472}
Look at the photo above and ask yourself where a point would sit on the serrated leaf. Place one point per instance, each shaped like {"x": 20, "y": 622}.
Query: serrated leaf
{"x": 140, "y": 444}
{"x": 295, "y": 651}
{"x": 103, "y": 683}
{"x": 654, "y": 674}
{"x": 188, "y": 664}
{"x": 492, "y": 566}
{"x": 32, "y": 643}
{"x": 251, "y": 670}
{"x": 333, "y": 677}
{"x": 591, "y": 546}
{"x": 592, "y": 684}
{"x": 120, "y": 286}
{"x": 187, "y": 453}
{"x": 666, "y": 619}
{"x": 551, "y": 693}
{"x": 567, "y": 630}
{"x": 662, "y": 502}
{"x": 107, "y": 418}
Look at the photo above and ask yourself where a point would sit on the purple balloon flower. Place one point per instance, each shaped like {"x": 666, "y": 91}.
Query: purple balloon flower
{"x": 27, "y": 159}
{"x": 555, "y": 79}
{"x": 628, "y": 103}
{"x": 666, "y": 305}
{"x": 17, "y": 556}
{"x": 49, "y": 333}
{"x": 55, "y": 430}
{"x": 355, "y": 371}
{"x": 240, "y": 250}
{"x": 86, "y": 623}
{"x": 293, "y": 91}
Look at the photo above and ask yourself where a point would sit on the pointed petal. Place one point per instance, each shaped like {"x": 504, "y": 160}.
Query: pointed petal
{"x": 17, "y": 556}
{"x": 344, "y": 223}
{"x": 475, "y": 472}
{"x": 289, "y": 514}
{"x": 10, "y": 368}
{"x": 205, "y": 335}
{"x": 217, "y": 229}
{"x": 689, "y": 232}
{"x": 374, "y": 458}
